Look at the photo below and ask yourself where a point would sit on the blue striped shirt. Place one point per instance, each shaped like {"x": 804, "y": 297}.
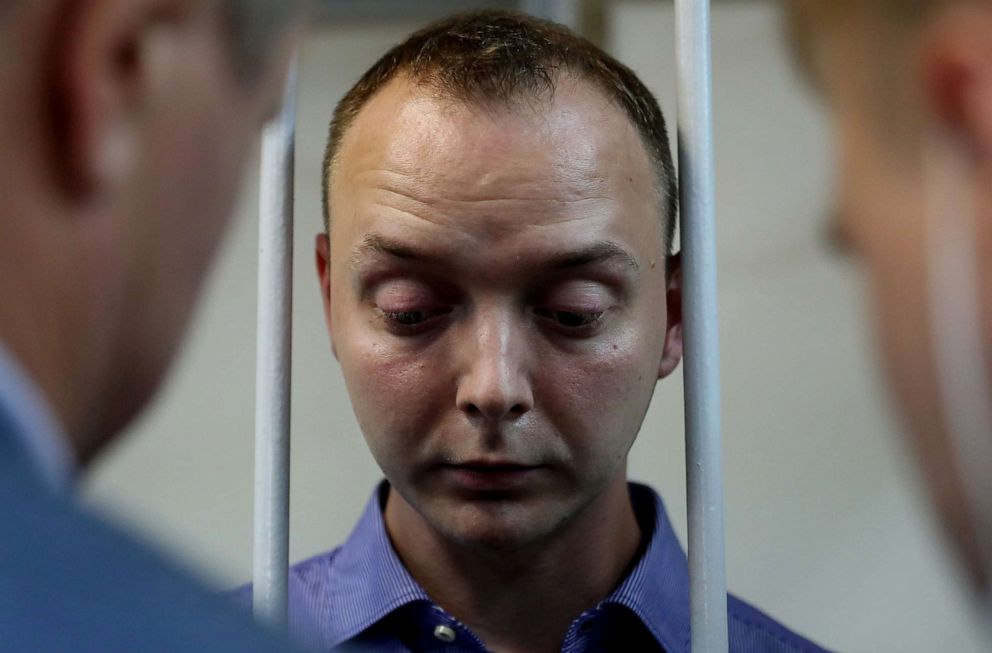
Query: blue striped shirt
{"x": 360, "y": 597}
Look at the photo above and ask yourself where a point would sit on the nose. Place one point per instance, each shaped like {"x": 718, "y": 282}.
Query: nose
{"x": 495, "y": 385}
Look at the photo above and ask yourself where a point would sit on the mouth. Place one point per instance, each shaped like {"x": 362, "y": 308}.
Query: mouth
{"x": 483, "y": 476}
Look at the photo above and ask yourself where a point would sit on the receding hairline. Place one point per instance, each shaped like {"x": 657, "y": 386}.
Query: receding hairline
{"x": 500, "y": 58}
{"x": 525, "y": 105}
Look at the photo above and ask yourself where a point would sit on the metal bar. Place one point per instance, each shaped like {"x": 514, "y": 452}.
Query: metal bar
{"x": 704, "y": 467}
{"x": 274, "y": 364}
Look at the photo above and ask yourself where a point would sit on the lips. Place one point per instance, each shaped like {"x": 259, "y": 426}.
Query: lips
{"x": 490, "y": 475}
{"x": 485, "y": 466}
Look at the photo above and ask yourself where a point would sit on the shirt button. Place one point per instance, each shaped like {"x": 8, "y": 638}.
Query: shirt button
{"x": 445, "y": 633}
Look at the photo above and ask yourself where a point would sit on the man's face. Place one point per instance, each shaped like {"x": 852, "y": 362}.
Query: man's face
{"x": 496, "y": 295}
{"x": 195, "y": 133}
{"x": 887, "y": 219}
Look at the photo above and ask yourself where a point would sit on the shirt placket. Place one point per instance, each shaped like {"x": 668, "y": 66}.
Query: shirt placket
{"x": 442, "y": 633}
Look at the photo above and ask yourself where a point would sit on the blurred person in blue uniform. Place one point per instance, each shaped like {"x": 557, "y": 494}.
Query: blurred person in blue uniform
{"x": 909, "y": 90}
{"x": 500, "y": 290}
{"x": 123, "y": 127}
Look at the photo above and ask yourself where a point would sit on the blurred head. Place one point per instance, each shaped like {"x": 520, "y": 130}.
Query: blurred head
{"x": 909, "y": 88}
{"x": 123, "y": 128}
{"x": 500, "y": 204}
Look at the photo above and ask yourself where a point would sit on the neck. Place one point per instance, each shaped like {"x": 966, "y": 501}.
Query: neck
{"x": 522, "y": 599}
{"x": 43, "y": 356}
{"x": 49, "y": 300}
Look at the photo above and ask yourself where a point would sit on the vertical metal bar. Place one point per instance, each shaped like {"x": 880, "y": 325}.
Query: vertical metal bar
{"x": 274, "y": 364}
{"x": 704, "y": 466}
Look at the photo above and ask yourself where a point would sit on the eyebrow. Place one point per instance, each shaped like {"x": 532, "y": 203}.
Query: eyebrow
{"x": 606, "y": 251}
{"x": 376, "y": 244}
{"x": 598, "y": 253}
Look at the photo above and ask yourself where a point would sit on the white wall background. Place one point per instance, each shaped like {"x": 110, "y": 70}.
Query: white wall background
{"x": 827, "y": 526}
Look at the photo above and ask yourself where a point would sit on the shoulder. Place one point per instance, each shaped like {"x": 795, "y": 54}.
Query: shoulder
{"x": 308, "y": 578}
{"x": 313, "y": 594}
{"x": 752, "y": 631}
{"x": 315, "y": 570}
{"x": 71, "y": 582}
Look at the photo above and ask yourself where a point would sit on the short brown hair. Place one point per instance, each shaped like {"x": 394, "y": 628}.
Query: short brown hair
{"x": 501, "y": 56}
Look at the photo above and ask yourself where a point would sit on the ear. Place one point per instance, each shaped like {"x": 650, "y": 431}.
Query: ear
{"x": 323, "y": 258}
{"x": 672, "y": 352}
{"x": 957, "y": 69}
{"x": 95, "y": 79}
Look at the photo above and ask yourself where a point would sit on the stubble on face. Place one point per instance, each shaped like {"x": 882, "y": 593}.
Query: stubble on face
{"x": 498, "y": 306}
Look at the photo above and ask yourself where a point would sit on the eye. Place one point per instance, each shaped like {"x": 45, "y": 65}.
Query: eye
{"x": 571, "y": 319}
{"x": 411, "y": 322}
{"x": 575, "y": 307}
{"x": 411, "y": 313}
{"x": 408, "y": 306}
{"x": 406, "y": 318}
{"x": 571, "y": 323}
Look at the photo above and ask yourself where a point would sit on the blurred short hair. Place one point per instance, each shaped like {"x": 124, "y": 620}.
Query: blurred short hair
{"x": 886, "y": 34}
{"x": 506, "y": 57}
{"x": 891, "y": 22}
{"x": 253, "y": 26}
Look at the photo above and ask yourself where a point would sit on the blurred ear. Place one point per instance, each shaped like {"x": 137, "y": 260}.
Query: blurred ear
{"x": 672, "y": 353}
{"x": 98, "y": 77}
{"x": 323, "y": 258}
{"x": 957, "y": 68}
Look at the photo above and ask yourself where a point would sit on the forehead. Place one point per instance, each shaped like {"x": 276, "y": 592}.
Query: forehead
{"x": 485, "y": 170}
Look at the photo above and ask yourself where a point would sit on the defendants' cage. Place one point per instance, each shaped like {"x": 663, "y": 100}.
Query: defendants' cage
{"x": 708, "y": 592}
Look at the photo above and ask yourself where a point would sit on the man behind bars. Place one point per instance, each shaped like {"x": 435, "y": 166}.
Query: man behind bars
{"x": 909, "y": 85}
{"x": 501, "y": 294}
{"x": 123, "y": 125}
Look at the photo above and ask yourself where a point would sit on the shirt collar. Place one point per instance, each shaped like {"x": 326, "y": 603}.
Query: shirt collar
{"x": 657, "y": 589}
{"x": 368, "y": 573}
{"x": 35, "y": 426}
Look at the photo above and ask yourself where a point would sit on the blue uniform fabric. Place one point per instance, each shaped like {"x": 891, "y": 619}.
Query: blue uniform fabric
{"x": 71, "y": 582}
{"x": 361, "y": 597}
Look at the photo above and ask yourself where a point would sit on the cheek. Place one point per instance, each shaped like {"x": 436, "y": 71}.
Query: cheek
{"x": 603, "y": 390}
{"x": 894, "y": 254}
{"x": 195, "y": 171}
{"x": 395, "y": 394}
{"x": 218, "y": 148}
{"x": 902, "y": 329}
{"x": 199, "y": 132}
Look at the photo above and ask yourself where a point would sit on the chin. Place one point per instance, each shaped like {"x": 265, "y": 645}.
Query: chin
{"x": 496, "y": 525}
{"x": 128, "y": 393}
{"x": 135, "y": 397}
{"x": 117, "y": 412}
